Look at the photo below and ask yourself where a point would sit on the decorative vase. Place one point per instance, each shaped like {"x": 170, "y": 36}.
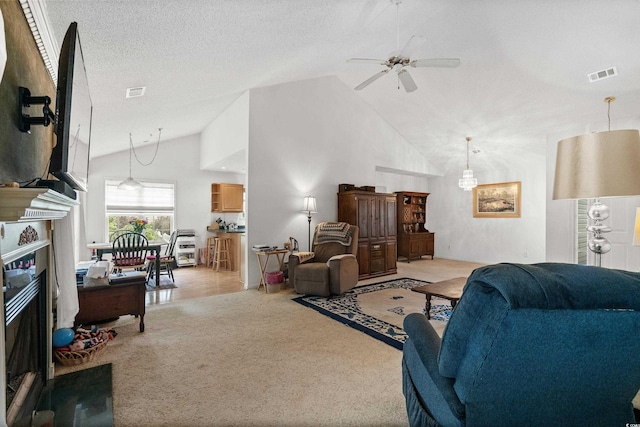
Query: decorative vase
{"x": 139, "y": 225}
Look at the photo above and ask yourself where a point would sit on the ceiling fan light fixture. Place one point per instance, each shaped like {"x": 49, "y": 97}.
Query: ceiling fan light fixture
{"x": 467, "y": 182}
{"x": 398, "y": 60}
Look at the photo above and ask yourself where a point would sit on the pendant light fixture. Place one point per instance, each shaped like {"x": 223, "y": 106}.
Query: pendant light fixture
{"x": 467, "y": 182}
{"x": 131, "y": 184}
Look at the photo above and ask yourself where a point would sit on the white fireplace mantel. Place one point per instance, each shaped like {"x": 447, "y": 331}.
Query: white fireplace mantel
{"x": 26, "y": 221}
{"x": 33, "y": 204}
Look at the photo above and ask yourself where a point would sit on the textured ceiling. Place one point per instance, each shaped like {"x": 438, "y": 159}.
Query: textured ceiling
{"x": 523, "y": 71}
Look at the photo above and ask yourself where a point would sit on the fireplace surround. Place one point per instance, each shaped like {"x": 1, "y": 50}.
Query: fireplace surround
{"x": 27, "y": 224}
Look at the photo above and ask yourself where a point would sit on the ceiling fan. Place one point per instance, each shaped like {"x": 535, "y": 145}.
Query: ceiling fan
{"x": 400, "y": 59}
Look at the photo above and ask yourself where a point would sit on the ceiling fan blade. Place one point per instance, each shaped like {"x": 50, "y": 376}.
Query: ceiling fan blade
{"x": 367, "y": 61}
{"x": 412, "y": 44}
{"x": 372, "y": 79}
{"x": 436, "y": 63}
{"x": 407, "y": 81}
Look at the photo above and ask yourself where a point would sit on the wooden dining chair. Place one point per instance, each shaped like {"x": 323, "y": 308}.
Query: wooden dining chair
{"x": 166, "y": 260}
{"x": 130, "y": 252}
{"x": 116, "y": 233}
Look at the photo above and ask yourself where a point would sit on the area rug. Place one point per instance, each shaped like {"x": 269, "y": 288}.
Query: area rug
{"x": 165, "y": 283}
{"x": 379, "y": 309}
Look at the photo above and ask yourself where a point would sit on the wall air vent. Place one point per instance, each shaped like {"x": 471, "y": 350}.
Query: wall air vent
{"x": 603, "y": 74}
{"x": 134, "y": 92}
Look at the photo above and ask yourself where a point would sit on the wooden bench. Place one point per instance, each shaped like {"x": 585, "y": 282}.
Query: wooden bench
{"x": 108, "y": 302}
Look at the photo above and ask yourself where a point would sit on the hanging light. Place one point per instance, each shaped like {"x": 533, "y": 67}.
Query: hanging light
{"x": 467, "y": 182}
{"x": 595, "y": 165}
{"x": 130, "y": 184}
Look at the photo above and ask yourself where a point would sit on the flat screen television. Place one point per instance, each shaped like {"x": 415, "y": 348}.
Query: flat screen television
{"x": 70, "y": 156}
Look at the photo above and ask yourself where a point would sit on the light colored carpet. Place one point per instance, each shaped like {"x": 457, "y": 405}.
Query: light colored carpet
{"x": 249, "y": 359}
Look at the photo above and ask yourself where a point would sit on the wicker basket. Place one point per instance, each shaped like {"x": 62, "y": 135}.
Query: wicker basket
{"x": 72, "y": 358}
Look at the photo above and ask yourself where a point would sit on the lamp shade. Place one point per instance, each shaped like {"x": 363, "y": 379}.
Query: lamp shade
{"x": 600, "y": 164}
{"x": 309, "y": 204}
{"x": 129, "y": 184}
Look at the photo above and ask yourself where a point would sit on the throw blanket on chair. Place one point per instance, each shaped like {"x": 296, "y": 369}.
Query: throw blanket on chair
{"x": 338, "y": 232}
{"x": 304, "y": 256}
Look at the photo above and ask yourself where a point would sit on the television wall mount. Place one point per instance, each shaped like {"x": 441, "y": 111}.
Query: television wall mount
{"x": 26, "y": 100}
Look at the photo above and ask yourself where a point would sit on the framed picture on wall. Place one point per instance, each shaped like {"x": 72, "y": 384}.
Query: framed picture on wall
{"x": 500, "y": 200}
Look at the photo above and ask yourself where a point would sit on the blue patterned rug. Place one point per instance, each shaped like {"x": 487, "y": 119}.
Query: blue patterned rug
{"x": 380, "y": 308}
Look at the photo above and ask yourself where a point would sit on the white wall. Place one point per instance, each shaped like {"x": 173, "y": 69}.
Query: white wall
{"x": 227, "y": 134}
{"x": 176, "y": 162}
{"x": 490, "y": 240}
{"x": 308, "y": 137}
{"x": 387, "y": 182}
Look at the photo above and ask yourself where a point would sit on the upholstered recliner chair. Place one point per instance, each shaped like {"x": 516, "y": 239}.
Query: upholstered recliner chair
{"x": 331, "y": 267}
{"x": 543, "y": 344}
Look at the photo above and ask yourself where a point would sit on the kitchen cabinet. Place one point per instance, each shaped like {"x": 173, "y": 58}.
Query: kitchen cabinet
{"x": 227, "y": 197}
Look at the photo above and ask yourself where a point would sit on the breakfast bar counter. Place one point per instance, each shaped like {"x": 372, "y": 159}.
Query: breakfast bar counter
{"x": 235, "y": 254}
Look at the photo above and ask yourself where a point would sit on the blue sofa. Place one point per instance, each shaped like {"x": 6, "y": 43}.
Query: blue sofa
{"x": 545, "y": 344}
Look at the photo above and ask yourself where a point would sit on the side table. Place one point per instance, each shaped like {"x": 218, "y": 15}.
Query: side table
{"x": 447, "y": 289}
{"x": 263, "y": 261}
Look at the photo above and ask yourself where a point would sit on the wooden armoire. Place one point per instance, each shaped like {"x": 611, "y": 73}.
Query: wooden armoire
{"x": 375, "y": 216}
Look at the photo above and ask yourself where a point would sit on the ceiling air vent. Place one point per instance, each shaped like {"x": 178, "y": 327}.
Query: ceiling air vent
{"x": 134, "y": 92}
{"x": 602, "y": 74}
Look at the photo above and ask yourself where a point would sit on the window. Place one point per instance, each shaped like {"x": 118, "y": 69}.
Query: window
{"x": 154, "y": 203}
{"x": 582, "y": 237}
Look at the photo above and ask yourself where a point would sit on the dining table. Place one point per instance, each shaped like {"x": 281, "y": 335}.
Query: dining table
{"x": 155, "y": 246}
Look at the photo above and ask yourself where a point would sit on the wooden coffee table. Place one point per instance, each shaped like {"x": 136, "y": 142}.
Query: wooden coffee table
{"x": 447, "y": 289}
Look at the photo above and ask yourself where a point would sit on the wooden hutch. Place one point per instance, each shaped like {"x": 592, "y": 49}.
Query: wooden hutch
{"x": 375, "y": 215}
{"x": 414, "y": 240}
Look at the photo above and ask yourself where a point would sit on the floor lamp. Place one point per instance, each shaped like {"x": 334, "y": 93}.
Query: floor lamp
{"x": 309, "y": 207}
{"x": 595, "y": 165}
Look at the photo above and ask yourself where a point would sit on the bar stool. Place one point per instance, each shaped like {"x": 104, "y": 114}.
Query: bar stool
{"x": 210, "y": 248}
{"x": 222, "y": 245}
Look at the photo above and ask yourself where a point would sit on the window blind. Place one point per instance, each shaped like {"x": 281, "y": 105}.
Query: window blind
{"x": 153, "y": 196}
{"x": 582, "y": 237}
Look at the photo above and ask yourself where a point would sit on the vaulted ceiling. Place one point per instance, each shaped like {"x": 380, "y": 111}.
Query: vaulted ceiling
{"x": 522, "y": 76}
